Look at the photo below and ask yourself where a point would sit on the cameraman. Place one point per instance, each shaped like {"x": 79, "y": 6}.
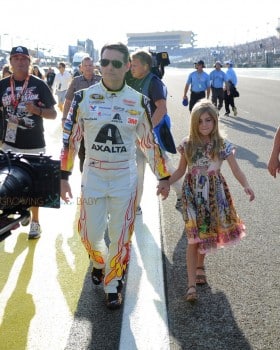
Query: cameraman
{"x": 150, "y": 85}
{"x": 25, "y": 100}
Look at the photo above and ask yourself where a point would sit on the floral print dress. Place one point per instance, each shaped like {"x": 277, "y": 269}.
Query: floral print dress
{"x": 208, "y": 210}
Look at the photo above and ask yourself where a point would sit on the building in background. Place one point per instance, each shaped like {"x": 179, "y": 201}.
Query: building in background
{"x": 182, "y": 51}
{"x": 84, "y": 46}
{"x": 161, "y": 41}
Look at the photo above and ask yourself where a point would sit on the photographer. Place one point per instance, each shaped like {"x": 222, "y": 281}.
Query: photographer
{"x": 26, "y": 100}
{"x": 149, "y": 84}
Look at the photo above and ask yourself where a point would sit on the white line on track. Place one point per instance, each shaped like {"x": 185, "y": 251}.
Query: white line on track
{"x": 144, "y": 324}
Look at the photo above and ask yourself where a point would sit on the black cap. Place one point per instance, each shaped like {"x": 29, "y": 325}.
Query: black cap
{"x": 201, "y": 63}
{"x": 19, "y": 50}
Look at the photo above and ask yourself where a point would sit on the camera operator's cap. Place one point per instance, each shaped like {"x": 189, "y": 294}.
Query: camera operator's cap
{"x": 185, "y": 102}
{"x": 19, "y": 50}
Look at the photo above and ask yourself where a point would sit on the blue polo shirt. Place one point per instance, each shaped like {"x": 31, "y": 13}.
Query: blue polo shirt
{"x": 199, "y": 81}
{"x": 217, "y": 78}
{"x": 231, "y": 75}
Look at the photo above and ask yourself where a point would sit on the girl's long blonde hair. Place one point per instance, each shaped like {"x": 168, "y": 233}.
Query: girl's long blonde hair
{"x": 194, "y": 139}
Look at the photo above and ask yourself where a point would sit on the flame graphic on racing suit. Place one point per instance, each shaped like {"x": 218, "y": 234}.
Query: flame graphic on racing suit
{"x": 119, "y": 262}
{"x": 95, "y": 255}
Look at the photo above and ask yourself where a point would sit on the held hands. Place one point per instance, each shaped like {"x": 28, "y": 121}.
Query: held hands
{"x": 163, "y": 188}
{"x": 65, "y": 191}
{"x": 250, "y": 193}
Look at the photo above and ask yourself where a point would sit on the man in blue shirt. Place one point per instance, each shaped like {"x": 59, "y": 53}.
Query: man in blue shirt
{"x": 200, "y": 84}
{"x": 217, "y": 80}
{"x": 231, "y": 82}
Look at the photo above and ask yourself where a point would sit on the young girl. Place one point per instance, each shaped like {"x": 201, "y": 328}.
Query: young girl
{"x": 210, "y": 217}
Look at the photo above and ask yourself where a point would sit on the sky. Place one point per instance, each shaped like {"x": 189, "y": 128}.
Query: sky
{"x": 56, "y": 24}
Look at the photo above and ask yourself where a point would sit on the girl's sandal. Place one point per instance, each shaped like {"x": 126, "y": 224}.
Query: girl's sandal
{"x": 201, "y": 279}
{"x": 191, "y": 296}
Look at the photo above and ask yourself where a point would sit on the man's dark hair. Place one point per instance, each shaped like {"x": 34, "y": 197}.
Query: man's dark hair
{"x": 119, "y": 47}
{"x": 62, "y": 64}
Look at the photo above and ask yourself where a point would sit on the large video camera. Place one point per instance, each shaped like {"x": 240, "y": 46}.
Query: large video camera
{"x": 160, "y": 60}
{"x": 26, "y": 180}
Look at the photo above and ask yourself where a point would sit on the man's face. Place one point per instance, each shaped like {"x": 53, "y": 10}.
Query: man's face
{"x": 61, "y": 69}
{"x": 111, "y": 73}
{"x": 87, "y": 67}
{"x": 138, "y": 69}
{"x": 20, "y": 63}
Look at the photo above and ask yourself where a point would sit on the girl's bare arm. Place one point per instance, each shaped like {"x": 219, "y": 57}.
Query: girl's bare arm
{"x": 240, "y": 176}
{"x": 180, "y": 171}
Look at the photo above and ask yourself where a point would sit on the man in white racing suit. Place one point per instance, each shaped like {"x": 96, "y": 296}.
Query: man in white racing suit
{"x": 110, "y": 116}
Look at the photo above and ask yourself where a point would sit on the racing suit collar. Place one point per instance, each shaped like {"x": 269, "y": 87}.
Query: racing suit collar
{"x": 110, "y": 90}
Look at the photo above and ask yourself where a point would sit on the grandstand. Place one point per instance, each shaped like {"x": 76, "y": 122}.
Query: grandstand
{"x": 180, "y": 46}
{"x": 161, "y": 41}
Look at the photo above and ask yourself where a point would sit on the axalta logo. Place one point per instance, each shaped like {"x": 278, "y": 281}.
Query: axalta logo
{"x": 109, "y": 140}
{"x": 109, "y": 149}
{"x": 97, "y": 97}
{"x": 117, "y": 118}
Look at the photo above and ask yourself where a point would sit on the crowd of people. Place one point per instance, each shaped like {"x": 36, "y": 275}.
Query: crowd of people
{"x": 219, "y": 84}
{"x": 113, "y": 122}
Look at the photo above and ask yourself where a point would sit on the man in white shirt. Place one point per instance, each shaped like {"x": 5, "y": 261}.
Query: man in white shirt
{"x": 61, "y": 83}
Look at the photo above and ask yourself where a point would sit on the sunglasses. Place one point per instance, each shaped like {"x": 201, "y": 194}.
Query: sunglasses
{"x": 104, "y": 62}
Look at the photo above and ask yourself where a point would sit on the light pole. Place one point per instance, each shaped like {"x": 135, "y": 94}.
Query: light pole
{"x": 278, "y": 27}
{"x": 257, "y": 36}
{"x": 267, "y": 29}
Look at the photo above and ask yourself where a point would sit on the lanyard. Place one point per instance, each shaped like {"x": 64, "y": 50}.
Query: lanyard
{"x": 16, "y": 99}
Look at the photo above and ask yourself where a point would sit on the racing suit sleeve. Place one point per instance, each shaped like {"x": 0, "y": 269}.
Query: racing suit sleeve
{"x": 148, "y": 145}
{"x": 72, "y": 136}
